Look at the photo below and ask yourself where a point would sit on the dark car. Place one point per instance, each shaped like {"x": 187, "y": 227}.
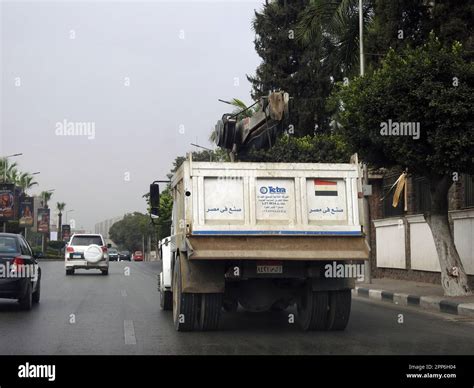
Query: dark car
{"x": 125, "y": 255}
{"x": 20, "y": 275}
{"x": 113, "y": 254}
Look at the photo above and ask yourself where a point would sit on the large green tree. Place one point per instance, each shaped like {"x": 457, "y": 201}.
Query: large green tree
{"x": 289, "y": 65}
{"x": 130, "y": 232}
{"x": 431, "y": 87}
{"x": 321, "y": 148}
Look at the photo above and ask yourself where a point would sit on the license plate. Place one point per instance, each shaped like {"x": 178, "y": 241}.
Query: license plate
{"x": 270, "y": 268}
{"x": 77, "y": 255}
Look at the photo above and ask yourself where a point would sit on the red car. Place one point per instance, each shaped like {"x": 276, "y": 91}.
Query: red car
{"x": 138, "y": 256}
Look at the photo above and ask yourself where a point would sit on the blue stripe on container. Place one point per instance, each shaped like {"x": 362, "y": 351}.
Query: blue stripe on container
{"x": 277, "y": 232}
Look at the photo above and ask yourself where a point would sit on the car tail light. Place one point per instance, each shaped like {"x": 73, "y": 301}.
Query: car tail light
{"x": 17, "y": 263}
{"x": 70, "y": 249}
{"x": 104, "y": 249}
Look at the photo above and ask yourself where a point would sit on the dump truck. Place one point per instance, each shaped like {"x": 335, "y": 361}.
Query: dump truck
{"x": 262, "y": 236}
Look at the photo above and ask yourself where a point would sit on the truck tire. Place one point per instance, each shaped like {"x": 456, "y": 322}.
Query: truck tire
{"x": 209, "y": 314}
{"x": 230, "y": 305}
{"x": 166, "y": 300}
{"x": 339, "y": 309}
{"x": 313, "y": 309}
{"x": 184, "y": 304}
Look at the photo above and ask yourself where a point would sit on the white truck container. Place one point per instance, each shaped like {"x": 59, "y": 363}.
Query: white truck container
{"x": 264, "y": 236}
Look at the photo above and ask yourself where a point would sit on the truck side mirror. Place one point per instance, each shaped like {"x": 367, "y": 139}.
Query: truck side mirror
{"x": 155, "y": 199}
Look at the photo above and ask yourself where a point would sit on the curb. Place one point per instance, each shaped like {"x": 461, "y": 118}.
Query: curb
{"x": 432, "y": 303}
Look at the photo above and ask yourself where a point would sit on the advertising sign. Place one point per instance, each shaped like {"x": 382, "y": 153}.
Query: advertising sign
{"x": 66, "y": 232}
{"x": 7, "y": 202}
{"x": 26, "y": 211}
{"x": 43, "y": 220}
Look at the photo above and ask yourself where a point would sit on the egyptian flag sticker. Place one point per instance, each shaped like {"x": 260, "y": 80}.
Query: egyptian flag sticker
{"x": 325, "y": 188}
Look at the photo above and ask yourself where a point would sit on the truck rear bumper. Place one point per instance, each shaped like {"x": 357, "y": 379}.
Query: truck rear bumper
{"x": 308, "y": 248}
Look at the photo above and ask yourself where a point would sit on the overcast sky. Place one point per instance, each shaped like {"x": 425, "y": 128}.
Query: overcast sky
{"x": 141, "y": 73}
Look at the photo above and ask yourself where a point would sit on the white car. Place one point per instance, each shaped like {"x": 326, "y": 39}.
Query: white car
{"x": 86, "y": 251}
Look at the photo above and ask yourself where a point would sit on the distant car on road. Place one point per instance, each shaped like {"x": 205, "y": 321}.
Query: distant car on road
{"x": 113, "y": 254}
{"x": 86, "y": 251}
{"x": 20, "y": 275}
{"x": 125, "y": 255}
{"x": 138, "y": 256}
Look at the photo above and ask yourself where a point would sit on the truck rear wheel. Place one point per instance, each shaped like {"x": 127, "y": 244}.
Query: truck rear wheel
{"x": 184, "y": 304}
{"x": 339, "y": 309}
{"x": 313, "y": 309}
{"x": 211, "y": 305}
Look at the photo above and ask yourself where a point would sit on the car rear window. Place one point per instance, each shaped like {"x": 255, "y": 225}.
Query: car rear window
{"x": 86, "y": 240}
{"x": 112, "y": 250}
{"x": 8, "y": 245}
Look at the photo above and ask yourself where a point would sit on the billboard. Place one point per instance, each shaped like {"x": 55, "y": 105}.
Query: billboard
{"x": 7, "y": 201}
{"x": 66, "y": 232}
{"x": 43, "y": 220}
{"x": 26, "y": 211}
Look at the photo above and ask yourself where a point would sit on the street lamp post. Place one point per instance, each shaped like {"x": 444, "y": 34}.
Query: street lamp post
{"x": 67, "y": 211}
{"x": 5, "y": 165}
{"x": 361, "y": 39}
{"x": 26, "y": 228}
{"x": 365, "y": 174}
{"x": 204, "y": 148}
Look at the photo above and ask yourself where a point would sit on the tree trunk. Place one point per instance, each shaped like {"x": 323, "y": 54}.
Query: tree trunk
{"x": 60, "y": 222}
{"x": 453, "y": 276}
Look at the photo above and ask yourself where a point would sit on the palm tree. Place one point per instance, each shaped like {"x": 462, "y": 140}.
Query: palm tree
{"x": 25, "y": 181}
{"x": 335, "y": 25}
{"x": 46, "y": 196}
{"x": 60, "y": 207}
{"x": 8, "y": 170}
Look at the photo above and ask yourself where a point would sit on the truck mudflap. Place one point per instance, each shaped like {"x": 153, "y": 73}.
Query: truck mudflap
{"x": 202, "y": 276}
{"x": 307, "y": 248}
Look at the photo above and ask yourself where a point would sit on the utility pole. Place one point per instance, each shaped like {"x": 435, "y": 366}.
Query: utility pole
{"x": 361, "y": 39}
{"x": 365, "y": 173}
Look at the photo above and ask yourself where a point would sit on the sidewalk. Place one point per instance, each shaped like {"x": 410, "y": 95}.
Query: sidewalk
{"x": 423, "y": 295}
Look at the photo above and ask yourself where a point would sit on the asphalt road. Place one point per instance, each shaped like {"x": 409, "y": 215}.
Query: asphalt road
{"x": 117, "y": 314}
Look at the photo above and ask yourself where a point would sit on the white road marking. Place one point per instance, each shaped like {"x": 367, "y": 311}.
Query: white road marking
{"x": 129, "y": 333}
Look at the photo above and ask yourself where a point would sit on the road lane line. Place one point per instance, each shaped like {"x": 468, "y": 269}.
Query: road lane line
{"x": 129, "y": 333}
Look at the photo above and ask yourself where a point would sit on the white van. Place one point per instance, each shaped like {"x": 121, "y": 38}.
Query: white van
{"x": 86, "y": 251}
